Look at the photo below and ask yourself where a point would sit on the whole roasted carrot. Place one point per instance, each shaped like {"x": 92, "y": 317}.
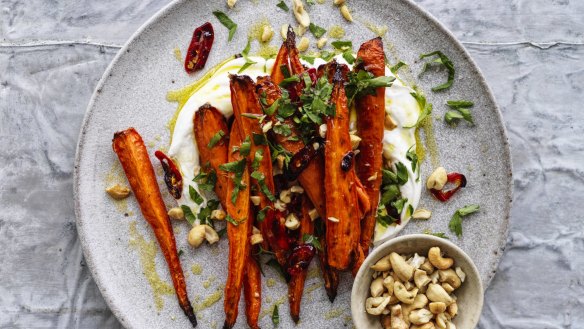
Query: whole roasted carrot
{"x": 296, "y": 284}
{"x": 312, "y": 177}
{"x": 370, "y": 123}
{"x": 208, "y": 124}
{"x": 237, "y": 229}
{"x": 342, "y": 198}
{"x": 252, "y": 281}
{"x": 133, "y": 156}
{"x": 281, "y": 59}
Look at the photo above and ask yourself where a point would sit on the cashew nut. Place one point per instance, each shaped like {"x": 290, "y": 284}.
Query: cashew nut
{"x": 176, "y": 213}
{"x": 321, "y": 42}
{"x": 313, "y": 213}
{"x": 210, "y": 235}
{"x": 435, "y": 257}
{"x": 388, "y": 284}
{"x": 437, "y": 179}
{"x": 450, "y": 325}
{"x": 460, "y": 273}
{"x": 322, "y": 130}
{"x": 427, "y": 266}
{"x": 447, "y": 287}
{"x": 338, "y": 2}
{"x": 255, "y": 200}
{"x": 256, "y": 239}
{"x": 300, "y": 13}
{"x": 421, "y": 278}
{"x": 437, "y": 307}
{"x": 377, "y": 287}
{"x": 449, "y": 276}
{"x": 118, "y": 192}
{"x": 386, "y": 321}
{"x": 355, "y": 140}
{"x": 453, "y": 309}
{"x": 416, "y": 261}
{"x": 196, "y": 235}
{"x": 218, "y": 214}
{"x": 284, "y": 31}
{"x": 267, "y": 33}
{"x": 376, "y": 305}
{"x": 297, "y": 189}
{"x": 303, "y": 44}
{"x": 436, "y": 293}
{"x": 397, "y": 318}
{"x": 231, "y": 3}
{"x": 403, "y": 270}
{"x": 441, "y": 320}
{"x": 434, "y": 277}
{"x": 419, "y": 302}
{"x": 292, "y": 222}
{"x": 405, "y": 296}
{"x": 420, "y": 316}
{"x": 428, "y": 325}
{"x": 346, "y": 13}
{"x": 382, "y": 265}
{"x": 286, "y": 196}
{"x": 422, "y": 214}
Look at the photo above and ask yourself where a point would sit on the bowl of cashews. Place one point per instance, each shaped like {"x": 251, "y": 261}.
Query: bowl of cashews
{"x": 417, "y": 281}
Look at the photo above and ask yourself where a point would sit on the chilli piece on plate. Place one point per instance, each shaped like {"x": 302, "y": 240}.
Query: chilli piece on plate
{"x": 199, "y": 48}
{"x": 133, "y": 156}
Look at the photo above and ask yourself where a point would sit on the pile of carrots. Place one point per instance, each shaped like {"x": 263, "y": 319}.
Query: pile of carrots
{"x": 342, "y": 185}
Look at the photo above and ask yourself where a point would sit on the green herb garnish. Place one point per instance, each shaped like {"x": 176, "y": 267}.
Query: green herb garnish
{"x": 441, "y": 60}
{"x": 227, "y": 22}
{"x": 459, "y": 104}
{"x": 460, "y": 111}
{"x": 262, "y": 214}
{"x": 316, "y": 30}
{"x": 261, "y": 179}
{"x": 275, "y": 316}
{"x": 189, "y": 216}
{"x": 236, "y": 167}
{"x": 232, "y": 220}
{"x": 195, "y": 196}
{"x": 342, "y": 44}
{"x": 424, "y": 106}
{"x": 215, "y": 139}
{"x": 438, "y": 234}
{"x": 311, "y": 239}
{"x": 282, "y": 129}
{"x": 455, "y": 224}
{"x": 365, "y": 83}
{"x": 348, "y": 56}
{"x": 396, "y": 67}
{"x": 206, "y": 181}
{"x": 282, "y": 5}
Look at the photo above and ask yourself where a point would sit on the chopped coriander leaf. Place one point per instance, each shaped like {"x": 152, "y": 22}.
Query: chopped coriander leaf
{"x": 293, "y": 138}
{"x": 245, "y": 65}
{"x": 285, "y": 106}
{"x": 190, "y": 217}
{"x": 227, "y": 22}
{"x": 342, "y": 44}
{"x": 282, "y": 5}
{"x": 455, "y": 224}
{"x": 236, "y": 167}
{"x": 261, "y": 178}
{"x": 215, "y": 139}
{"x": 402, "y": 173}
{"x": 245, "y": 51}
{"x": 258, "y": 156}
{"x": 365, "y": 83}
{"x": 452, "y": 117}
{"x": 327, "y": 55}
{"x": 195, "y": 196}
{"x": 399, "y": 204}
{"x": 309, "y": 59}
{"x": 180, "y": 253}
{"x": 262, "y": 213}
{"x": 413, "y": 157}
{"x": 289, "y": 81}
{"x": 275, "y": 316}
{"x": 231, "y": 220}
{"x": 206, "y": 181}
{"x": 283, "y": 129}
{"x": 438, "y": 234}
{"x": 245, "y": 147}
{"x": 276, "y": 150}
{"x": 389, "y": 177}
{"x": 426, "y": 109}
{"x": 410, "y": 211}
{"x": 259, "y": 139}
{"x": 348, "y": 56}
{"x": 459, "y": 103}
{"x": 222, "y": 232}
{"x": 310, "y": 2}
{"x": 383, "y": 218}
{"x": 311, "y": 239}
{"x": 466, "y": 115}
{"x": 389, "y": 193}
{"x": 397, "y": 66}
{"x": 285, "y": 71}
{"x": 204, "y": 214}
{"x": 272, "y": 108}
{"x": 316, "y": 30}
{"x": 441, "y": 60}
{"x": 253, "y": 116}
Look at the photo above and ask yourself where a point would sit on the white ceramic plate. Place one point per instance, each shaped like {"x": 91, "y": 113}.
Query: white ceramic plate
{"x": 132, "y": 93}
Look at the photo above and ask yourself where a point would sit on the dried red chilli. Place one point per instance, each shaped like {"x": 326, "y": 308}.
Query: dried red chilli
{"x": 300, "y": 258}
{"x": 454, "y": 178}
{"x": 172, "y": 176}
{"x": 199, "y": 48}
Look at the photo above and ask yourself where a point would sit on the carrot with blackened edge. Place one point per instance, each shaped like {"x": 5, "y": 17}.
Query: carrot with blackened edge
{"x": 370, "y": 126}
{"x": 281, "y": 61}
{"x": 212, "y": 138}
{"x": 296, "y": 284}
{"x": 133, "y": 156}
{"x": 237, "y": 230}
{"x": 252, "y": 283}
{"x": 344, "y": 203}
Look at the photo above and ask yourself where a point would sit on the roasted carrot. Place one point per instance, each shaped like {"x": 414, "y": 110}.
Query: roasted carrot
{"x": 281, "y": 59}
{"x": 133, "y": 156}
{"x": 237, "y": 229}
{"x": 341, "y": 184}
{"x": 312, "y": 177}
{"x": 296, "y": 284}
{"x": 370, "y": 121}
{"x": 252, "y": 283}
{"x": 209, "y": 123}
{"x": 294, "y": 59}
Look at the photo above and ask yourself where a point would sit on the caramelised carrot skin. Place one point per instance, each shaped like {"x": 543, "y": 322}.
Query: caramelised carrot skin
{"x": 207, "y": 122}
{"x": 290, "y": 43}
{"x": 342, "y": 199}
{"x": 329, "y": 274}
{"x": 133, "y": 156}
{"x": 281, "y": 59}
{"x": 252, "y": 284}
{"x": 296, "y": 284}
{"x": 312, "y": 177}
{"x": 370, "y": 126}
{"x": 238, "y": 235}
{"x": 245, "y": 100}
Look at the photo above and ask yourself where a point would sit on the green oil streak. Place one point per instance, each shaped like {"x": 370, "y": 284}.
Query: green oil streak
{"x": 147, "y": 251}
{"x": 209, "y": 300}
{"x": 336, "y": 32}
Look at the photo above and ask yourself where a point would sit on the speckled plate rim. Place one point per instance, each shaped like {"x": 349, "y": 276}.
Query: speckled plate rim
{"x": 99, "y": 278}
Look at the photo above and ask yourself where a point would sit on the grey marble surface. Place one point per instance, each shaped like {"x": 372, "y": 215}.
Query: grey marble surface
{"x": 52, "y": 53}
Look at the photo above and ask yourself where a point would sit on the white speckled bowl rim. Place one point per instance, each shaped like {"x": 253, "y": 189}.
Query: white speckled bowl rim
{"x": 469, "y": 295}
{"x": 502, "y": 176}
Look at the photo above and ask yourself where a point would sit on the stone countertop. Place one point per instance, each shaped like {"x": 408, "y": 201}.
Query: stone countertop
{"x": 53, "y": 53}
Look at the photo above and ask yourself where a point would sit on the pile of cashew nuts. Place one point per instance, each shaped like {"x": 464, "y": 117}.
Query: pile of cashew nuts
{"x": 415, "y": 292}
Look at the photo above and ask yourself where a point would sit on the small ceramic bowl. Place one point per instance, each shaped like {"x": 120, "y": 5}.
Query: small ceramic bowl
{"x": 470, "y": 293}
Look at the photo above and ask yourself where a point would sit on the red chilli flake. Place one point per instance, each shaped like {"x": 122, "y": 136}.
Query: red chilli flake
{"x": 199, "y": 48}
{"x": 454, "y": 178}
{"x": 300, "y": 258}
{"x": 172, "y": 176}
